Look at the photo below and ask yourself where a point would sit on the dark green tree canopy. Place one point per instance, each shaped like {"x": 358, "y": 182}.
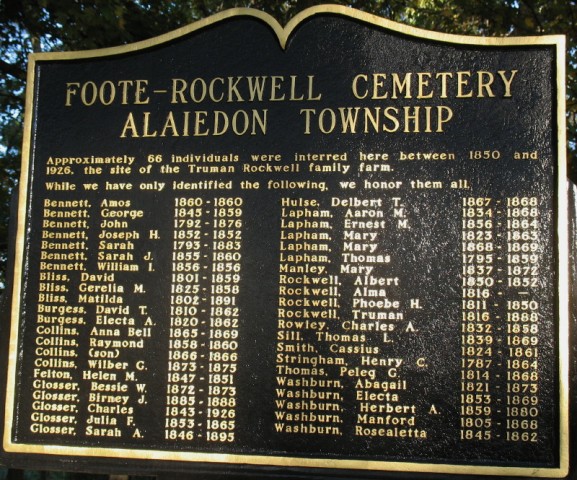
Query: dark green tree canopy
{"x": 58, "y": 25}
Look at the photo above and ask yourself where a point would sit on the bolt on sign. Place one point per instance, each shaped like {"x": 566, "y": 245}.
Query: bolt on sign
{"x": 338, "y": 245}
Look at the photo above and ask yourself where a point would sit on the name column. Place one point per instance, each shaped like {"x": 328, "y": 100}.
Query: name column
{"x": 307, "y": 399}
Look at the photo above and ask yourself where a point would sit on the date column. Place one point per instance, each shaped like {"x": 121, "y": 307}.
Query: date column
{"x": 477, "y": 330}
{"x": 523, "y": 318}
{"x": 181, "y": 393}
{"x": 224, "y": 319}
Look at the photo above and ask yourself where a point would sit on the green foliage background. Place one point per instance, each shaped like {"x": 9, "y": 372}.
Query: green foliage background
{"x": 58, "y": 25}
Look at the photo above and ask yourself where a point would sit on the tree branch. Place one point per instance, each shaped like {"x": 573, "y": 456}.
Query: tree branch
{"x": 534, "y": 14}
{"x": 13, "y": 70}
{"x": 11, "y": 96}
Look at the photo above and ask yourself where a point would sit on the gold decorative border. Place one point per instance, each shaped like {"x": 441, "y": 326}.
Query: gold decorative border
{"x": 283, "y": 34}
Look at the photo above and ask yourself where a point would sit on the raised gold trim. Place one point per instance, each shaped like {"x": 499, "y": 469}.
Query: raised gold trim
{"x": 283, "y": 34}
{"x": 563, "y": 266}
{"x": 19, "y": 254}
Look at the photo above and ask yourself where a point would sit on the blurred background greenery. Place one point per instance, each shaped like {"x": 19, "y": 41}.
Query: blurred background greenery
{"x": 59, "y": 25}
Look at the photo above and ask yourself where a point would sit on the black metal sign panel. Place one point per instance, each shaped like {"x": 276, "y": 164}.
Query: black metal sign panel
{"x": 335, "y": 245}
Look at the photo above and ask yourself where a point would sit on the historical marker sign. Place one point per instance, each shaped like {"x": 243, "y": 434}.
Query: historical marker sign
{"x": 336, "y": 245}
